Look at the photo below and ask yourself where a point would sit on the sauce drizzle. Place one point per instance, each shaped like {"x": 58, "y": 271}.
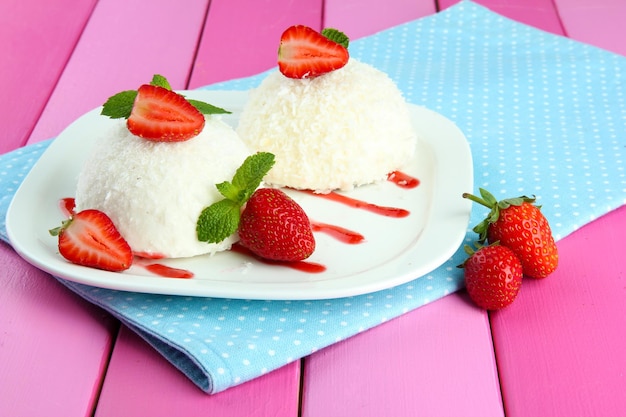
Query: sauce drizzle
{"x": 67, "y": 206}
{"x": 363, "y": 205}
{"x": 340, "y": 233}
{"x": 304, "y": 266}
{"x": 403, "y": 180}
{"x": 168, "y": 271}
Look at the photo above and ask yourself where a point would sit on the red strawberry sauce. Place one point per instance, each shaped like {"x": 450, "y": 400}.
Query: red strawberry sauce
{"x": 146, "y": 255}
{"x": 67, "y": 206}
{"x": 144, "y": 260}
{"x": 358, "y": 204}
{"x": 403, "y": 180}
{"x": 168, "y": 271}
{"x": 397, "y": 177}
{"x": 304, "y": 266}
{"x": 342, "y": 234}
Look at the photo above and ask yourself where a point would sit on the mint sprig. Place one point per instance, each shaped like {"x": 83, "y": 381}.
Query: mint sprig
{"x": 120, "y": 105}
{"x": 336, "y": 36}
{"x": 221, "y": 219}
{"x": 206, "y": 108}
{"x": 160, "y": 81}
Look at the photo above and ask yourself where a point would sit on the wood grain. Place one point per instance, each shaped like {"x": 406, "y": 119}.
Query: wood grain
{"x": 560, "y": 346}
{"x": 540, "y": 14}
{"x": 120, "y": 51}
{"x": 597, "y": 23}
{"x": 54, "y": 346}
{"x": 227, "y": 47}
{"x": 36, "y": 40}
{"x": 140, "y": 382}
{"x": 558, "y": 349}
{"x": 236, "y": 44}
{"x": 361, "y": 18}
{"x": 434, "y": 361}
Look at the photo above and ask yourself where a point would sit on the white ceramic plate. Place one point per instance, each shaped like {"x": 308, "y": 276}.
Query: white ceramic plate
{"x": 396, "y": 250}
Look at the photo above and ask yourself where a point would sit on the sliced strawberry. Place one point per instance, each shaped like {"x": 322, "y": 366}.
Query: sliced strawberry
{"x": 163, "y": 115}
{"x": 90, "y": 238}
{"x": 305, "y": 53}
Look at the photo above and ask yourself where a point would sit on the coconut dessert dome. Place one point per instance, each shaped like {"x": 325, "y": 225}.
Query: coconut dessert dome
{"x": 153, "y": 183}
{"x": 330, "y": 131}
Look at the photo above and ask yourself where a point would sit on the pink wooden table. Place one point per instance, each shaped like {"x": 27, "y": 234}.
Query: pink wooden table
{"x": 559, "y": 350}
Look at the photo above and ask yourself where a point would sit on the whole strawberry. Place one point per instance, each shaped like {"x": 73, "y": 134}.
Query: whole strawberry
{"x": 274, "y": 226}
{"x": 89, "y": 238}
{"x": 519, "y": 225}
{"x": 493, "y": 276}
{"x": 271, "y": 224}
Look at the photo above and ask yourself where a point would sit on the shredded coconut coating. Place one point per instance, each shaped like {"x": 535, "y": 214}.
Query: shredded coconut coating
{"x": 154, "y": 192}
{"x": 343, "y": 129}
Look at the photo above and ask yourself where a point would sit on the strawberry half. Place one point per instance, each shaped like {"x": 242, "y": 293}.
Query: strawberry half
{"x": 304, "y": 53}
{"x": 275, "y": 227}
{"x": 163, "y": 115}
{"x": 90, "y": 238}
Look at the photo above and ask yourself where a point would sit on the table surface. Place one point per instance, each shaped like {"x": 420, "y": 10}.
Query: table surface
{"x": 557, "y": 351}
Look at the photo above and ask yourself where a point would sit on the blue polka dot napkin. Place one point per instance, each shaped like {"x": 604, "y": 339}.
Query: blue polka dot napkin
{"x": 543, "y": 114}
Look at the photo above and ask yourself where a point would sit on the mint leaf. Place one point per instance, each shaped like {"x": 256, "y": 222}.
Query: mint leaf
{"x": 160, "y": 81}
{"x": 206, "y": 108}
{"x": 250, "y": 174}
{"x": 221, "y": 219}
{"x": 119, "y": 105}
{"x": 336, "y": 36}
{"x": 229, "y": 191}
{"x": 218, "y": 221}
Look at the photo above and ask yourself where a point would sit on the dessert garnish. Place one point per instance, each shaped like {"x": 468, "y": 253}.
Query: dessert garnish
{"x": 306, "y": 53}
{"x": 155, "y": 112}
{"x": 90, "y": 238}
{"x": 271, "y": 225}
{"x": 221, "y": 219}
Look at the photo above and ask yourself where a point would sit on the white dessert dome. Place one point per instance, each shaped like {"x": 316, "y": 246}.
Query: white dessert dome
{"x": 155, "y": 191}
{"x": 343, "y": 129}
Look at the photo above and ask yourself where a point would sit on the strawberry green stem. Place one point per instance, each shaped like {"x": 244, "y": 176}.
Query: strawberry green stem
{"x": 477, "y": 200}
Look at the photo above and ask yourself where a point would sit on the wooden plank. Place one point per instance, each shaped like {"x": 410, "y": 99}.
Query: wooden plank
{"x": 136, "y": 371}
{"x": 435, "y": 361}
{"x": 561, "y": 345}
{"x": 360, "y": 18}
{"x": 238, "y": 44}
{"x": 538, "y": 13}
{"x": 122, "y": 50}
{"x": 53, "y": 347}
{"x": 599, "y": 23}
{"x": 140, "y": 382}
{"x": 48, "y": 334}
{"x": 36, "y": 40}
